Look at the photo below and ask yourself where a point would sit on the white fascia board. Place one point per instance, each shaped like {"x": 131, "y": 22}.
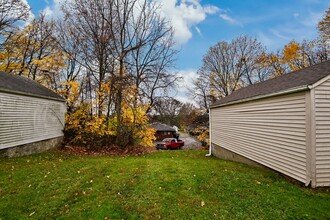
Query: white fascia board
{"x": 283, "y": 92}
{"x": 320, "y": 82}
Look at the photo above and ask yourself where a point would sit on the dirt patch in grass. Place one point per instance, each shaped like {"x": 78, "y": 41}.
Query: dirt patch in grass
{"x": 108, "y": 150}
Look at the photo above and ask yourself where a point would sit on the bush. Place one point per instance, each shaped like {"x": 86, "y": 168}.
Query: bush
{"x": 202, "y": 134}
{"x": 85, "y": 129}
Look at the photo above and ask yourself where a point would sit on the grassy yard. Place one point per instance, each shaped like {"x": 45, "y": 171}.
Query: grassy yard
{"x": 166, "y": 185}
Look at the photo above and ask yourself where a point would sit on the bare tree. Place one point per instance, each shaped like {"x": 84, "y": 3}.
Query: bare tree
{"x": 231, "y": 65}
{"x": 121, "y": 44}
{"x": 91, "y": 35}
{"x": 249, "y": 50}
{"x": 201, "y": 91}
{"x": 150, "y": 64}
{"x": 12, "y": 11}
{"x": 166, "y": 110}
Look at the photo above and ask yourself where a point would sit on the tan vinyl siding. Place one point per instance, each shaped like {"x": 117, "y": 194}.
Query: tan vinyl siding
{"x": 322, "y": 124}
{"x": 25, "y": 119}
{"x": 270, "y": 131}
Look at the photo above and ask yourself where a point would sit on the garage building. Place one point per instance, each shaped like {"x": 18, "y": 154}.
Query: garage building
{"x": 282, "y": 123}
{"x": 31, "y": 116}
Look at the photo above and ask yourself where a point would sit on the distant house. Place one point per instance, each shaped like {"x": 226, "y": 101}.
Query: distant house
{"x": 282, "y": 123}
{"x": 31, "y": 116}
{"x": 163, "y": 131}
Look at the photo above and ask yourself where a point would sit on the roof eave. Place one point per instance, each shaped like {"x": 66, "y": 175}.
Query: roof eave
{"x": 31, "y": 95}
{"x": 287, "y": 91}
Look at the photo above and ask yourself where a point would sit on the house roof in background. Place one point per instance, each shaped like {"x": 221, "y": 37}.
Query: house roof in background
{"x": 161, "y": 127}
{"x": 297, "y": 79}
{"x": 21, "y": 85}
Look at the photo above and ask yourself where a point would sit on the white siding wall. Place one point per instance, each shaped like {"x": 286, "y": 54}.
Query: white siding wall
{"x": 322, "y": 124}
{"x": 26, "y": 119}
{"x": 269, "y": 131}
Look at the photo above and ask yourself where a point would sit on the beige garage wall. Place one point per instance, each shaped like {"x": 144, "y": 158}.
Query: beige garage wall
{"x": 270, "y": 131}
{"x": 322, "y": 124}
{"x": 25, "y": 119}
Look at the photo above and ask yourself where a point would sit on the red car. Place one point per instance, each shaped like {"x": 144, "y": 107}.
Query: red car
{"x": 170, "y": 144}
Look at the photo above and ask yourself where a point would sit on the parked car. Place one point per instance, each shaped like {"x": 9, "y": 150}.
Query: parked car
{"x": 170, "y": 144}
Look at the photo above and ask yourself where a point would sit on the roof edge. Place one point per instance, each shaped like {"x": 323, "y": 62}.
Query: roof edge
{"x": 31, "y": 95}
{"x": 288, "y": 91}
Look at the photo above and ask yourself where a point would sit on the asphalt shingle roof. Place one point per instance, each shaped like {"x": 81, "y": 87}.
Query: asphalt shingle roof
{"x": 296, "y": 79}
{"x": 161, "y": 127}
{"x": 15, "y": 83}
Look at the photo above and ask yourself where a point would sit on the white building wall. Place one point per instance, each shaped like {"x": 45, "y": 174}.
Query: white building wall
{"x": 25, "y": 119}
{"x": 270, "y": 131}
{"x": 322, "y": 128}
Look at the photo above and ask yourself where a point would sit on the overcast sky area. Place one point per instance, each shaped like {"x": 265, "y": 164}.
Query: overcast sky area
{"x": 200, "y": 24}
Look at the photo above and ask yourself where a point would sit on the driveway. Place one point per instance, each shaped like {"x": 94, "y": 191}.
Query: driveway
{"x": 190, "y": 142}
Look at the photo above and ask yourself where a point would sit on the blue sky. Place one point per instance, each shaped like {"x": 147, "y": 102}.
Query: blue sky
{"x": 200, "y": 24}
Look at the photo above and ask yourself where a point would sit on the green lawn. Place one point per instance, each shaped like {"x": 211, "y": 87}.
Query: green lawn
{"x": 166, "y": 185}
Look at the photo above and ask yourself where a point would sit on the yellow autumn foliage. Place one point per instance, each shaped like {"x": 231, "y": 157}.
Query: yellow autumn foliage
{"x": 84, "y": 128}
{"x": 70, "y": 90}
{"x": 294, "y": 56}
{"x": 135, "y": 120}
{"x": 25, "y": 53}
{"x": 290, "y": 51}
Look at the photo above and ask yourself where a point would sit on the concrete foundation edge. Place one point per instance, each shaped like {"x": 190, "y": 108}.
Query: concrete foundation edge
{"x": 225, "y": 154}
{"x": 32, "y": 148}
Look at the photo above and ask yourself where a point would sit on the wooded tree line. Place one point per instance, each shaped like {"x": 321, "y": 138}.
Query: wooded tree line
{"x": 228, "y": 66}
{"x": 110, "y": 59}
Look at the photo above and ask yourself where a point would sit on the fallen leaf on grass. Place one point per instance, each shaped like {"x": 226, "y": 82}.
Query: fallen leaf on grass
{"x": 32, "y": 213}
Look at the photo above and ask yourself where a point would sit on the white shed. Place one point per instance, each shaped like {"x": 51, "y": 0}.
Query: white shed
{"x": 31, "y": 116}
{"x": 282, "y": 123}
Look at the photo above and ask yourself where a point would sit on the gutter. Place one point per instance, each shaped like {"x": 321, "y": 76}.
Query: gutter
{"x": 288, "y": 91}
{"x": 31, "y": 95}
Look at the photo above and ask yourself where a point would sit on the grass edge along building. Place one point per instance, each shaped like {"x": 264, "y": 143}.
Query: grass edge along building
{"x": 282, "y": 123}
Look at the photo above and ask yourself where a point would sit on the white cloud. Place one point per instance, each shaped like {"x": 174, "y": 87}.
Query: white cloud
{"x": 311, "y": 19}
{"x": 54, "y": 10}
{"x": 280, "y": 34}
{"x": 48, "y": 12}
{"x": 266, "y": 40}
{"x": 188, "y": 76}
{"x": 298, "y": 29}
{"x": 229, "y": 19}
{"x": 198, "y": 30}
{"x": 183, "y": 15}
{"x": 31, "y": 15}
{"x": 211, "y": 9}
